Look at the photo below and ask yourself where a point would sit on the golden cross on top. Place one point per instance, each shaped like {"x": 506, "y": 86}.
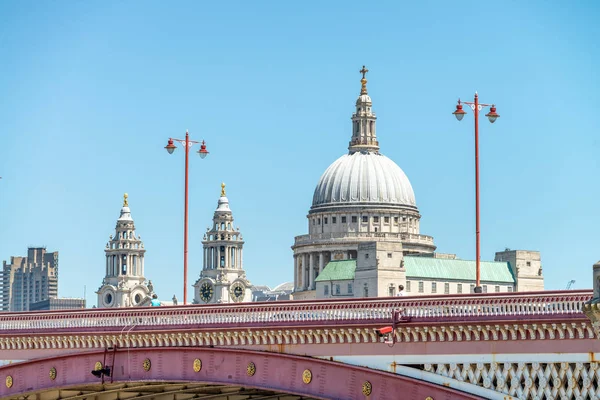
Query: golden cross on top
{"x": 363, "y": 71}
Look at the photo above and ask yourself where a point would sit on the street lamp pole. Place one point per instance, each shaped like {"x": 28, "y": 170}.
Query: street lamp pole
{"x": 170, "y": 147}
{"x": 492, "y": 116}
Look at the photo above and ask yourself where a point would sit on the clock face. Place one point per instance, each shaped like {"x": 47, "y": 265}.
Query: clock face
{"x": 206, "y": 292}
{"x": 237, "y": 292}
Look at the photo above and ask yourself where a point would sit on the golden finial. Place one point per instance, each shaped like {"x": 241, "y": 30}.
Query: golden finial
{"x": 125, "y": 203}
{"x": 223, "y": 189}
{"x": 363, "y": 71}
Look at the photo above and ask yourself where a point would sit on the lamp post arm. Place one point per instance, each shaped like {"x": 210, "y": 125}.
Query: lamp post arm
{"x": 183, "y": 141}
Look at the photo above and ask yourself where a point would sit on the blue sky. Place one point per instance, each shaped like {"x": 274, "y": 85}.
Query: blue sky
{"x": 92, "y": 90}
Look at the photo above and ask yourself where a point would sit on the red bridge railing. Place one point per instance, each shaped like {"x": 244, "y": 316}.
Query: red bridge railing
{"x": 424, "y": 309}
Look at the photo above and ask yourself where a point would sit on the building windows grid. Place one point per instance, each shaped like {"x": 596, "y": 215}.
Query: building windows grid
{"x": 421, "y": 287}
{"x": 343, "y": 220}
{"x": 408, "y": 286}
{"x": 433, "y": 287}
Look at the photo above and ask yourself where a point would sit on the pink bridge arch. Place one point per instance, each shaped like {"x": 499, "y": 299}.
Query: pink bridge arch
{"x": 277, "y": 373}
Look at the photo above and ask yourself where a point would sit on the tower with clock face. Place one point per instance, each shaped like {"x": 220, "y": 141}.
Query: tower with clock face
{"x": 223, "y": 279}
{"x": 124, "y": 284}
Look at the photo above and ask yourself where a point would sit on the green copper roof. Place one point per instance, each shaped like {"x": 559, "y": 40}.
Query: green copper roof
{"x": 460, "y": 270}
{"x": 337, "y": 271}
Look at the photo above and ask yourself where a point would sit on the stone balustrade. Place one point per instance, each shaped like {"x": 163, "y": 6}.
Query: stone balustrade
{"x": 469, "y": 307}
{"x": 408, "y": 237}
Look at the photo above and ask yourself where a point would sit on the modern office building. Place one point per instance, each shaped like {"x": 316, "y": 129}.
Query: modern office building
{"x": 27, "y": 280}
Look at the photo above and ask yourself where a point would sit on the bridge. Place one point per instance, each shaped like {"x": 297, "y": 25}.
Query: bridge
{"x": 537, "y": 345}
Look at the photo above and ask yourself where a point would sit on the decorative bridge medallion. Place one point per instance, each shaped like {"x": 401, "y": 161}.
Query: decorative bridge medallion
{"x": 52, "y": 373}
{"x": 251, "y": 369}
{"x": 197, "y": 365}
{"x": 9, "y": 381}
{"x": 97, "y": 366}
{"x": 367, "y": 388}
{"x": 307, "y": 376}
{"x": 147, "y": 365}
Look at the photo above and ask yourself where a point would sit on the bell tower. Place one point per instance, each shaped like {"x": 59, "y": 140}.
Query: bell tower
{"x": 223, "y": 279}
{"x": 124, "y": 284}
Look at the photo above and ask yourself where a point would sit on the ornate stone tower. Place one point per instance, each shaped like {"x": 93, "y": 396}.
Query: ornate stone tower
{"x": 124, "y": 284}
{"x": 223, "y": 279}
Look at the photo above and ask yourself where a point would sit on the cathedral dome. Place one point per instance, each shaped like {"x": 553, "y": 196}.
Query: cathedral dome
{"x": 363, "y": 177}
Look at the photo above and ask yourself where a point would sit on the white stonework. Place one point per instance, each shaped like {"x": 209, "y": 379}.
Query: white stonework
{"x": 124, "y": 284}
{"x": 526, "y": 267}
{"x": 363, "y": 198}
{"x": 364, "y": 209}
{"x": 223, "y": 279}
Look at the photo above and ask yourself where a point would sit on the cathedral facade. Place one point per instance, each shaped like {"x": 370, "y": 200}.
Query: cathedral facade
{"x": 124, "y": 284}
{"x": 364, "y": 236}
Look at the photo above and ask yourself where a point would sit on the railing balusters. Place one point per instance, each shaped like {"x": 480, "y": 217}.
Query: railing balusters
{"x": 462, "y": 306}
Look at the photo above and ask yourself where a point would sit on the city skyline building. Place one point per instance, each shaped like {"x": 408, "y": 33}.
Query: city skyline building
{"x": 124, "y": 283}
{"x": 29, "y": 279}
{"x": 364, "y": 236}
{"x": 62, "y": 303}
{"x": 223, "y": 278}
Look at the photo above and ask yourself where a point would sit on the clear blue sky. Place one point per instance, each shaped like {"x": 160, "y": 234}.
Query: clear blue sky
{"x": 90, "y": 92}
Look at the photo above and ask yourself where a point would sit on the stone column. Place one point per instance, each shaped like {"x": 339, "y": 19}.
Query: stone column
{"x": 107, "y": 265}
{"x": 295, "y": 273}
{"x": 311, "y": 271}
{"x": 321, "y": 262}
{"x": 303, "y": 274}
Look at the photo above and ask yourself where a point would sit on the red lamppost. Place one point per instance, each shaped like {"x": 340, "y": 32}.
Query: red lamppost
{"x": 492, "y": 116}
{"x": 187, "y": 143}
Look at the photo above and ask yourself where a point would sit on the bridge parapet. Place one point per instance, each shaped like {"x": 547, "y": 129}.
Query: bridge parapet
{"x": 426, "y": 309}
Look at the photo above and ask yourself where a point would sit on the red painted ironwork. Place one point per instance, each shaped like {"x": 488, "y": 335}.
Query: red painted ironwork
{"x": 187, "y": 143}
{"x": 492, "y": 116}
{"x": 278, "y": 372}
{"x": 185, "y": 219}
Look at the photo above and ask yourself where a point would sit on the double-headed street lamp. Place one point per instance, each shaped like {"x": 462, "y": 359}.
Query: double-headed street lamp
{"x": 187, "y": 143}
{"x": 492, "y": 116}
